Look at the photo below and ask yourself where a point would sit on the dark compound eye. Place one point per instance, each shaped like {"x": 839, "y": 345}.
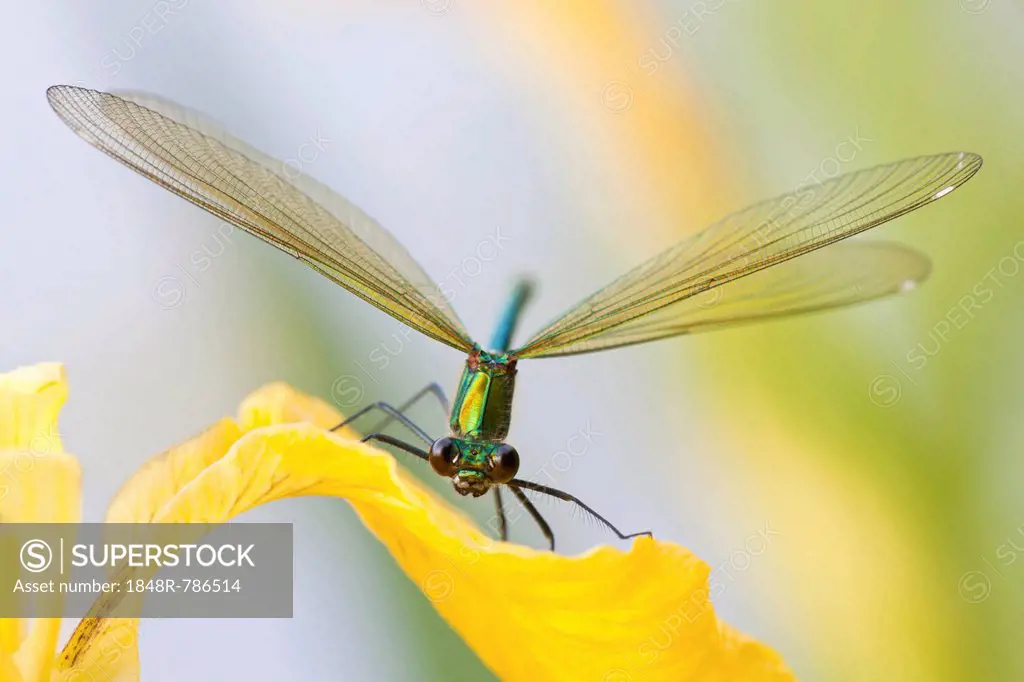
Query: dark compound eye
{"x": 504, "y": 464}
{"x": 444, "y": 456}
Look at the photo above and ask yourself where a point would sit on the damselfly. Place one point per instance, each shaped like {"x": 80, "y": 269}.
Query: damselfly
{"x": 720, "y": 277}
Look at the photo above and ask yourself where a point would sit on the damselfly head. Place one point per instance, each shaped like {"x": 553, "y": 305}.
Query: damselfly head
{"x": 473, "y": 466}
{"x": 471, "y": 482}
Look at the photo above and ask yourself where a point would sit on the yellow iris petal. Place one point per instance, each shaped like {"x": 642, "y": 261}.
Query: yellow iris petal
{"x": 607, "y": 615}
{"x": 39, "y": 483}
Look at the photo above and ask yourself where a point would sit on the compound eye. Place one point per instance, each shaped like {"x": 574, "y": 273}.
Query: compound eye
{"x": 444, "y": 456}
{"x": 504, "y": 464}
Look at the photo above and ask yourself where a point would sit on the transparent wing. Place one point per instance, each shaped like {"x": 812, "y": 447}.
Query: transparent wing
{"x": 845, "y": 274}
{"x": 747, "y": 242}
{"x": 193, "y": 158}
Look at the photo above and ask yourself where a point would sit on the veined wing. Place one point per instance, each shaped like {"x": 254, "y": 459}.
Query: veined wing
{"x": 845, "y": 274}
{"x": 747, "y": 242}
{"x": 189, "y": 155}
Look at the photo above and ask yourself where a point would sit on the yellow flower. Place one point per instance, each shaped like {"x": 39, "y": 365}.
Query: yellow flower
{"x": 39, "y": 482}
{"x": 608, "y": 615}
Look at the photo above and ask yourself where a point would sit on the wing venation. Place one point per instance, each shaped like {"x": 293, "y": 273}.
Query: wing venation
{"x": 192, "y": 157}
{"x": 643, "y": 304}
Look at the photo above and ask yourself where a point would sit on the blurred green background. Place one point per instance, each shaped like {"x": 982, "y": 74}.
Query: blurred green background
{"x": 877, "y": 448}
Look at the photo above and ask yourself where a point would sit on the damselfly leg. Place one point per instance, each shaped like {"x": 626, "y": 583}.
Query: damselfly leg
{"x": 499, "y": 515}
{"x": 532, "y": 511}
{"x": 516, "y": 484}
{"x": 433, "y": 389}
{"x": 398, "y": 413}
{"x": 394, "y": 415}
{"x": 400, "y": 444}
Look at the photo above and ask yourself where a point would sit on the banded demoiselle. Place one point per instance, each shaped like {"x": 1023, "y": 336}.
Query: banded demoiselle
{"x": 719, "y": 277}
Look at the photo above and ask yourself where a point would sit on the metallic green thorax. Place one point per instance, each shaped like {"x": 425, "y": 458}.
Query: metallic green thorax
{"x": 482, "y": 409}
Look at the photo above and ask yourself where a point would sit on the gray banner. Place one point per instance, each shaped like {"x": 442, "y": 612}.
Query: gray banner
{"x": 115, "y": 570}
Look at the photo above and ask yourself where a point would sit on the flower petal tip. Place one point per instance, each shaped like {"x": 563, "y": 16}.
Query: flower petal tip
{"x": 279, "y": 403}
{"x": 30, "y": 401}
{"x": 32, "y": 379}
